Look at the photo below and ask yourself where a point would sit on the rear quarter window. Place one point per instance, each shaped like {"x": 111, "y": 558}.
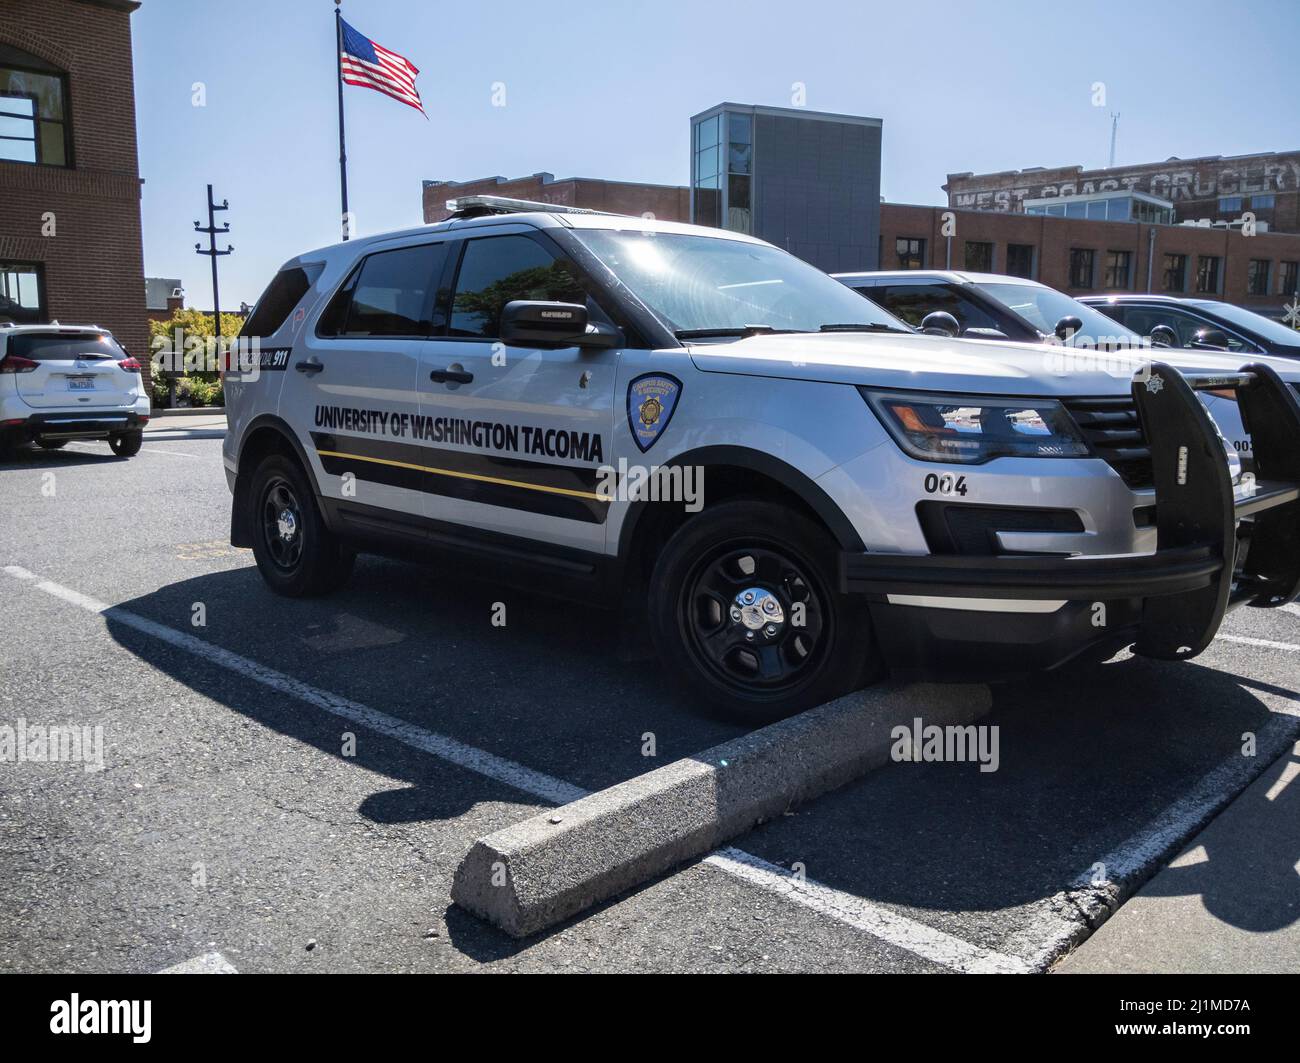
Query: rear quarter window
{"x": 278, "y": 301}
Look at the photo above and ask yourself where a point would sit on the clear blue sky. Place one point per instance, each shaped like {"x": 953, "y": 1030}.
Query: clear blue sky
{"x": 604, "y": 88}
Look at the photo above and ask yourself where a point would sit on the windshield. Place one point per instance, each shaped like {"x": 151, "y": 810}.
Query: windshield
{"x": 702, "y": 284}
{"x": 64, "y": 346}
{"x": 1263, "y": 327}
{"x": 1043, "y": 307}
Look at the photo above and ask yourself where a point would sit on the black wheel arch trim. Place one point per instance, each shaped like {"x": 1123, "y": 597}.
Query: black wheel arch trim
{"x": 798, "y": 483}
{"x": 241, "y": 532}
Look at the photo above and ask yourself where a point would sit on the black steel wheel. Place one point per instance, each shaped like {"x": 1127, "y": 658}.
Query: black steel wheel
{"x": 743, "y": 607}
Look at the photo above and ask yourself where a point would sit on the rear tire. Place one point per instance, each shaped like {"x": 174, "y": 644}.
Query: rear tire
{"x": 744, "y": 608}
{"x": 297, "y": 555}
{"x": 126, "y": 444}
{"x": 51, "y": 444}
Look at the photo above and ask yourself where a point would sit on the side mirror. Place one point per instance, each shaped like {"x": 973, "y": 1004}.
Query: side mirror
{"x": 1212, "y": 339}
{"x": 535, "y": 323}
{"x": 1068, "y": 327}
{"x": 984, "y": 334}
{"x": 940, "y": 323}
{"x": 1163, "y": 336}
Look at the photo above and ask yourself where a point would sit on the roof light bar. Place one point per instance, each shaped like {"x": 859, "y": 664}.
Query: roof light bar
{"x": 470, "y": 206}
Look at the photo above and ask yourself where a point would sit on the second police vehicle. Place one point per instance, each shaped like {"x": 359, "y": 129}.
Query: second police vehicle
{"x": 795, "y": 491}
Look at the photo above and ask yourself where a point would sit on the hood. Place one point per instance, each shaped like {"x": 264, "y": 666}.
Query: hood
{"x": 937, "y": 363}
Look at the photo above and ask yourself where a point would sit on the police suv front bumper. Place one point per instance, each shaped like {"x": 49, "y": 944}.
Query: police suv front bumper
{"x": 1215, "y": 548}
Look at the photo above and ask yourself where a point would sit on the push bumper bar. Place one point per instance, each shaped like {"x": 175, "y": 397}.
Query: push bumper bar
{"x": 1198, "y": 568}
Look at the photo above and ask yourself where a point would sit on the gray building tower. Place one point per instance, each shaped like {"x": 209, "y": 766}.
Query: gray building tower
{"x": 806, "y": 181}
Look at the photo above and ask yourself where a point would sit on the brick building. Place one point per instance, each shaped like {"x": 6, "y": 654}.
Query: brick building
{"x": 1214, "y": 187}
{"x": 1079, "y": 256}
{"x": 665, "y": 202}
{"x": 70, "y": 242}
{"x": 163, "y": 296}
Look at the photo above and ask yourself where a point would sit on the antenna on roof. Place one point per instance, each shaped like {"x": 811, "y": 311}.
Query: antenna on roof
{"x": 1114, "y": 126}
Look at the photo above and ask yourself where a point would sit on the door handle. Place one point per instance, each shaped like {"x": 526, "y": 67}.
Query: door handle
{"x": 451, "y": 376}
{"x": 309, "y": 366}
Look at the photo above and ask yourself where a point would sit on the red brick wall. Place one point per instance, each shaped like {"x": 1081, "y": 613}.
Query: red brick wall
{"x": 94, "y": 264}
{"x": 666, "y": 202}
{"x": 1053, "y": 239}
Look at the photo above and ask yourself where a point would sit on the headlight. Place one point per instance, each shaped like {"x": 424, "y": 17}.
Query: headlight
{"x": 967, "y": 430}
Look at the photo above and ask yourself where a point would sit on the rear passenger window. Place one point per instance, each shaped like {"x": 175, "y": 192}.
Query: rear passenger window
{"x": 283, "y": 293}
{"x": 390, "y": 294}
{"x": 498, "y": 269}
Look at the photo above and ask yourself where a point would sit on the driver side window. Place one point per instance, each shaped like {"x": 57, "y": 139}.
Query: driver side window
{"x": 496, "y": 270}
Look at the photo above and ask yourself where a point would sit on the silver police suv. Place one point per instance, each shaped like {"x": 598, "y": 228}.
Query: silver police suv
{"x": 794, "y": 490}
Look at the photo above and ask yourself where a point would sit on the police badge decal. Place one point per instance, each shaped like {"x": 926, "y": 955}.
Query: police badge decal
{"x": 651, "y": 400}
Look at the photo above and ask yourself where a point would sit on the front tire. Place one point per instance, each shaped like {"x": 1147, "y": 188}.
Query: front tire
{"x": 744, "y": 608}
{"x": 296, "y": 553}
{"x": 126, "y": 444}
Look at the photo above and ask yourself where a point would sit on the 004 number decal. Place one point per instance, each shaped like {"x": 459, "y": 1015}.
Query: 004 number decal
{"x": 945, "y": 484}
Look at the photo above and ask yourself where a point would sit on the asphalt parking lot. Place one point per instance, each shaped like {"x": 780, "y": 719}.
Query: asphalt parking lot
{"x": 290, "y": 785}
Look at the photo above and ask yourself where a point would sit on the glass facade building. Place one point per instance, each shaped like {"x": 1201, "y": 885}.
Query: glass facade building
{"x": 805, "y": 181}
{"x": 1106, "y": 206}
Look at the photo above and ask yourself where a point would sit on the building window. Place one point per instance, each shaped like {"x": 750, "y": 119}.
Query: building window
{"x": 1117, "y": 268}
{"x": 740, "y": 159}
{"x": 1175, "y": 273}
{"x": 22, "y": 293}
{"x": 706, "y": 186}
{"x": 910, "y": 251}
{"x": 1229, "y": 204}
{"x": 1265, "y": 202}
{"x": 1290, "y": 282}
{"x": 979, "y": 256}
{"x": 33, "y": 110}
{"x": 1081, "y": 262}
{"x": 1207, "y": 274}
{"x": 1257, "y": 271}
{"x": 1020, "y": 260}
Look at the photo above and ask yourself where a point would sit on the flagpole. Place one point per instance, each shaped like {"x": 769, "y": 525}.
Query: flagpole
{"x": 343, "y": 153}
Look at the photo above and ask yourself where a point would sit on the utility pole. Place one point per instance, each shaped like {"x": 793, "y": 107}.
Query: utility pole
{"x": 212, "y": 252}
{"x": 1114, "y": 127}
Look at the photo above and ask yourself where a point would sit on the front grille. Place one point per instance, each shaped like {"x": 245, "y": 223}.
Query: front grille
{"x": 1112, "y": 429}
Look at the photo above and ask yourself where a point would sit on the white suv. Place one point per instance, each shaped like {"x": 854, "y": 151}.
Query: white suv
{"x": 62, "y": 382}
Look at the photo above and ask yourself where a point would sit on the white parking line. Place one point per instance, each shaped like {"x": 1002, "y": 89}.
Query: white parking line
{"x": 1267, "y": 644}
{"x": 889, "y": 926}
{"x": 1292, "y": 608}
{"x": 208, "y": 963}
{"x": 923, "y": 940}
{"x": 1156, "y": 839}
{"x": 150, "y": 449}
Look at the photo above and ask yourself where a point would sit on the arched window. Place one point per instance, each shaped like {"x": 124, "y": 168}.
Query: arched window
{"x": 33, "y": 110}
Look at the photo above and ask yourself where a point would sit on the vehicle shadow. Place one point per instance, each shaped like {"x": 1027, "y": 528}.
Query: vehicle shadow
{"x": 36, "y": 458}
{"x": 1248, "y": 879}
{"x": 541, "y": 682}
{"x": 1088, "y": 757}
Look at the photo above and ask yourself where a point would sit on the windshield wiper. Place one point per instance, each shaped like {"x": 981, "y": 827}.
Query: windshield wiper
{"x": 871, "y": 326}
{"x": 739, "y": 331}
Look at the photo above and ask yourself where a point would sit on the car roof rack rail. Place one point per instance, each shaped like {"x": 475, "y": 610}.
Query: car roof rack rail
{"x": 477, "y": 206}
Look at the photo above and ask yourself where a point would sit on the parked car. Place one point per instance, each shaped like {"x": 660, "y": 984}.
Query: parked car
{"x": 1201, "y": 324}
{"x": 871, "y": 500}
{"x": 989, "y": 306}
{"x": 62, "y": 382}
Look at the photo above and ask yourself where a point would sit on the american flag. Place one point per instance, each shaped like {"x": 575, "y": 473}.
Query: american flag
{"x": 365, "y": 63}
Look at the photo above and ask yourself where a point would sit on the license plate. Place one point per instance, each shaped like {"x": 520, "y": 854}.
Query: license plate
{"x": 81, "y": 383}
